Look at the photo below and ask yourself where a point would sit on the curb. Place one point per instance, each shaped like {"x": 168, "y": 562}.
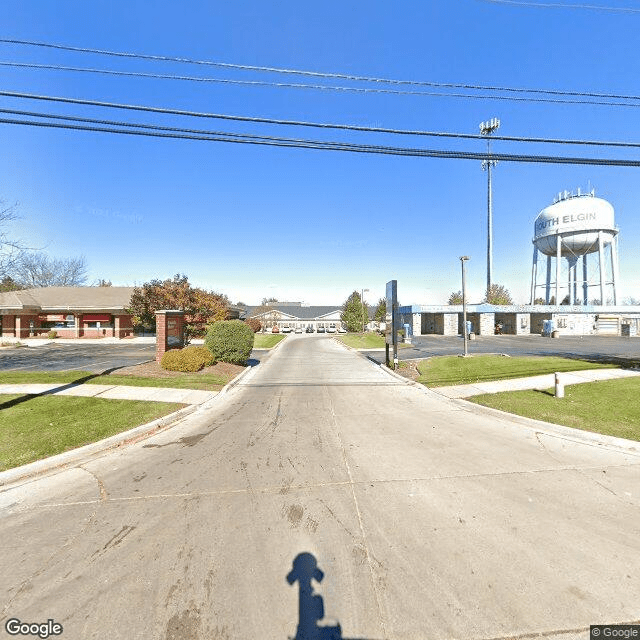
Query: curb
{"x": 631, "y": 447}
{"x": 71, "y": 458}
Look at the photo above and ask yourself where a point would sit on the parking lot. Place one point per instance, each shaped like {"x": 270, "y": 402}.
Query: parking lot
{"x": 624, "y": 350}
{"x": 103, "y": 357}
{"x": 72, "y": 357}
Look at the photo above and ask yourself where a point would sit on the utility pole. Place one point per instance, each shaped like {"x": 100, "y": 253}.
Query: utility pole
{"x": 486, "y": 129}
{"x": 364, "y": 309}
{"x": 463, "y": 259}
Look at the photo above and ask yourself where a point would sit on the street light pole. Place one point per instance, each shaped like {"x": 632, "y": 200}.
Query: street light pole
{"x": 362, "y": 292}
{"x": 463, "y": 259}
{"x": 486, "y": 129}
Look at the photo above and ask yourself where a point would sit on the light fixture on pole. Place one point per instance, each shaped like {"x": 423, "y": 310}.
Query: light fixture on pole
{"x": 463, "y": 259}
{"x": 362, "y": 292}
{"x": 486, "y": 129}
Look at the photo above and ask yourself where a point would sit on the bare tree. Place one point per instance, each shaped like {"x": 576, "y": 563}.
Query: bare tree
{"x": 11, "y": 249}
{"x": 35, "y": 269}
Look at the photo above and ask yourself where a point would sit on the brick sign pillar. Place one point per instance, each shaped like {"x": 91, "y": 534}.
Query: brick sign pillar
{"x": 169, "y": 331}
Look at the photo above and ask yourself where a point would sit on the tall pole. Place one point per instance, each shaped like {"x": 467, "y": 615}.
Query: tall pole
{"x": 463, "y": 259}
{"x": 362, "y": 292}
{"x": 486, "y": 129}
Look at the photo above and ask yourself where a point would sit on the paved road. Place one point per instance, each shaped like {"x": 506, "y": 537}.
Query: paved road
{"x": 597, "y": 347}
{"x": 427, "y": 519}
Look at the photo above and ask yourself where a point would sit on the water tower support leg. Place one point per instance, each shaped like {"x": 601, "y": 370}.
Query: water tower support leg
{"x": 601, "y": 261}
{"x": 534, "y": 274}
{"x": 585, "y": 282}
{"x": 614, "y": 267}
{"x": 558, "y": 265}
{"x": 547, "y": 298}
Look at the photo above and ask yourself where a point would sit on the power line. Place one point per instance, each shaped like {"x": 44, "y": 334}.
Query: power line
{"x": 337, "y": 88}
{"x": 318, "y": 74}
{"x": 559, "y": 5}
{"x": 338, "y": 146}
{"x": 299, "y": 123}
{"x": 359, "y": 78}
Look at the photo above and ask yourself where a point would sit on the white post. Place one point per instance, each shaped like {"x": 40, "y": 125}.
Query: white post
{"x": 559, "y": 386}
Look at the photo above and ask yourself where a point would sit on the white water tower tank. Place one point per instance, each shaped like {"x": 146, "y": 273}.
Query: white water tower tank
{"x": 574, "y": 226}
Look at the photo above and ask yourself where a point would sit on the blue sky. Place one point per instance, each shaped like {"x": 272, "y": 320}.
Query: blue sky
{"x": 253, "y": 221}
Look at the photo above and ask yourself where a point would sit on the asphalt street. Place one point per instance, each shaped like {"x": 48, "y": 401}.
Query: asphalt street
{"x": 321, "y": 491}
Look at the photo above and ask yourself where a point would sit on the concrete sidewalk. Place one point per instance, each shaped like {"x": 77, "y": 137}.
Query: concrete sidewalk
{"x": 534, "y": 382}
{"x": 112, "y": 392}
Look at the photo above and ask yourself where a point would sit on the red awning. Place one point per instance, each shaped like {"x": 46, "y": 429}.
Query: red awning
{"x": 96, "y": 317}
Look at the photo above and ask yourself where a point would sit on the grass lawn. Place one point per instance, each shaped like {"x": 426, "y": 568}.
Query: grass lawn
{"x": 44, "y": 426}
{"x": 267, "y": 340}
{"x": 609, "y": 407}
{"x": 42, "y": 377}
{"x": 452, "y": 370}
{"x": 175, "y": 380}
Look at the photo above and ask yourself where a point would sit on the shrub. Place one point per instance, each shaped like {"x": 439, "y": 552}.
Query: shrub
{"x": 255, "y": 324}
{"x": 52, "y": 334}
{"x": 230, "y": 341}
{"x": 187, "y": 359}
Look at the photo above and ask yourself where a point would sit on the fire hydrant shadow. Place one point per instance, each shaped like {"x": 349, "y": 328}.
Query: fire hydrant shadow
{"x": 310, "y": 604}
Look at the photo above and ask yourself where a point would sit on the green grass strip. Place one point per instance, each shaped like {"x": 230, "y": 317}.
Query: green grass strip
{"x": 41, "y": 427}
{"x": 453, "y": 370}
{"x": 609, "y": 407}
{"x": 203, "y": 381}
{"x": 43, "y": 377}
{"x": 267, "y": 340}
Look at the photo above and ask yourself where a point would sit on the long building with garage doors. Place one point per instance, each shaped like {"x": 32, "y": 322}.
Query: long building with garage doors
{"x": 489, "y": 319}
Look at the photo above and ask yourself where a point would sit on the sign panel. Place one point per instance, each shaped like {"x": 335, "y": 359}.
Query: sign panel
{"x": 95, "y": 317}
{"x": 391, "y": 319}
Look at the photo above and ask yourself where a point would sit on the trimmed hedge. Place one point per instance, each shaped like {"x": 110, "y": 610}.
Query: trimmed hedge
{"x": 187, "y": 359}
{"x": 230, "y": 341}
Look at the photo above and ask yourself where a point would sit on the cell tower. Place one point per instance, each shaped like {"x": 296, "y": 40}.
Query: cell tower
{"x": 573, "y": 227}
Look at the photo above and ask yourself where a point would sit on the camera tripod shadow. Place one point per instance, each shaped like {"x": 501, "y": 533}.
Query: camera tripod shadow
{"x": 310, "y": 605}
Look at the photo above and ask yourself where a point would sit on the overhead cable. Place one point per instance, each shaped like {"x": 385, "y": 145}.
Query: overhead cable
{"x": 319, "y": 87}
{"x": 319, "y": 74}
{"x": 305, "y": 123}
{"x": 337, "y": 146}
{"x": 561, "y": 5}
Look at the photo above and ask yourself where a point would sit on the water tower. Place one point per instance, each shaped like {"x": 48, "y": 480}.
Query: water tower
{"x": 573, "y": 227}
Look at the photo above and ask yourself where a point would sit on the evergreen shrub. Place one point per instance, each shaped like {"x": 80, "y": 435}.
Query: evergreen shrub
{"x": 230, "y": 341}
{"x": 188, "y": 359}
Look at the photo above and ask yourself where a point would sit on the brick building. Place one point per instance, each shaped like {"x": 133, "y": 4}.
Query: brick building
{"x": 73, "y": 312}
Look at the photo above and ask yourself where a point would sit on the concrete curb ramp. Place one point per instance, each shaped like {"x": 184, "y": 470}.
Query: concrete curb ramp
{"x": 534, "y": 382}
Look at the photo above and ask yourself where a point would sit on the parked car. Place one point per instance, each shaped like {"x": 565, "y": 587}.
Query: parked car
{"x": 342, "y": 330}
{"x": 275, "y": 329}
{"x": 320, "y": 329}
{"x": 309, "y": 329}
{"x": 298, "y": 330}
{"x": 332, "y": 328}
{"x": 286, "y": 329}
